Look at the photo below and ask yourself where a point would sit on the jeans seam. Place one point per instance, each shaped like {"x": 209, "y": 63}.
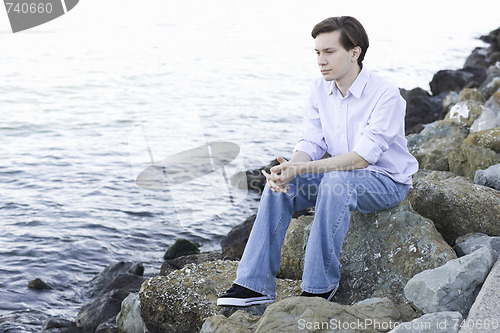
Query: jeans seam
{"x": 351, "y": 190}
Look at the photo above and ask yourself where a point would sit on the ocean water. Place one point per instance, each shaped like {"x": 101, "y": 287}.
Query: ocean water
{"x": 88, "y": 99}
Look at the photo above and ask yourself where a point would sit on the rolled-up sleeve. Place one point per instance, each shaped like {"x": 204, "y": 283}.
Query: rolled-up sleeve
{"x": 384, "y": 125}
{"x": 312, "y": 139}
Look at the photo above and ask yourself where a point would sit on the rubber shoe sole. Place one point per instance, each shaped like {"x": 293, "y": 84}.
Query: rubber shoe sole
{"x": 233, "y": 301}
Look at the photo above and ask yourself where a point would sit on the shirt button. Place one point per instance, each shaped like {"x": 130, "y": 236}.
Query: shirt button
{"x": 344, "y": 106}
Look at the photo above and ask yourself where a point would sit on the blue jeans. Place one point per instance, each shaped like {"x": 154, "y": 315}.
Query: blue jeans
{"x": 334, "y": 194}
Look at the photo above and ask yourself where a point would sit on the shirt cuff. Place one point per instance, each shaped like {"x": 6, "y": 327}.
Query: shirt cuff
{"x": 314, "y": 151}
{"x": 368, "y": 149}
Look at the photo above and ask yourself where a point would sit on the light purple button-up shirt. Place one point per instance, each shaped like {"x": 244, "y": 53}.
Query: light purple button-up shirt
{"x": 368, "y": 120}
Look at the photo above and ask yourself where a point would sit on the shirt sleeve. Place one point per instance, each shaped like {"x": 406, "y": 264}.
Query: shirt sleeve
{"x": 384, "y": 125}
{"x": 312, "y": 140}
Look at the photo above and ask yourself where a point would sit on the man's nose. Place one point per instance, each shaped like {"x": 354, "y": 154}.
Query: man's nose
{"x": 322, "y": 60}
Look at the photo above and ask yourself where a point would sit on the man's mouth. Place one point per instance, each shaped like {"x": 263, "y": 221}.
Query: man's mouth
{"x": 325, "y": 71}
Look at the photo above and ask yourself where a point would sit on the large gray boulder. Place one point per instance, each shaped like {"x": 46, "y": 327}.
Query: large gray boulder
{"x": 432, "y": 146}
{"x": 180, "y": 301}
{"x": 456, "y": 206}
{"x": 381, "y": 252}
{"x": 452, "y": 287}
{"x": 304, "y": 314}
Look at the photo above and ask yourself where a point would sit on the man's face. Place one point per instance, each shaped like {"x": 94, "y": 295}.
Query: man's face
{"x": 333, "y": 60}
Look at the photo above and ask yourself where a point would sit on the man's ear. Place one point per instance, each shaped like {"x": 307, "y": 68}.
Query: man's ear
{"x": 356, "y": 52}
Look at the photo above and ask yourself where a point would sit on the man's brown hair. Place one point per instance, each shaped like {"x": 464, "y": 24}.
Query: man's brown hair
{"x": 352, "y": 33}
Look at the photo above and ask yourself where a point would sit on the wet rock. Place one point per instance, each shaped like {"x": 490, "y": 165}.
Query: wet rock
{"x": 489, "y": 177}
{"x": 453, "y": 286}
{"x": 311, "y": 315}
{"x": 233, "y": 244}
{"x": 101, "y": 309}
{"x": 174, "y": 264}
{"x": 421, "y": 108}
{"x": 181, "y": 301}
{"x": 108, "y": 326}
{"x": 129, "y": 319}
{"x": 439, "y": 322}
{"x": 39, "y": 284}
{"x": 449, "y": 80}
{"x": 456, "y": 206}
{"x": 101, "y": 281}
{"x": 181, "y": 247}
{"x": 55, "y": 322}
{"x": 478, "y": 57}
{"x": 254, "y": 178}
{"x": 431, "y": 148}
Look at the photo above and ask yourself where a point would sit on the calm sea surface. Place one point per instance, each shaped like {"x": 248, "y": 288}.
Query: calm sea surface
{"x": 84, "y": 96}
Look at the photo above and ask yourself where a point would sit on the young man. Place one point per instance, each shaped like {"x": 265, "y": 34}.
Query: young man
{"x": 358, "y": 118}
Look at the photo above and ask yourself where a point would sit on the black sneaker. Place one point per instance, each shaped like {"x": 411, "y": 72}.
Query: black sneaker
{"x": 241, "y": 296}
{"x": 328, "y": 295}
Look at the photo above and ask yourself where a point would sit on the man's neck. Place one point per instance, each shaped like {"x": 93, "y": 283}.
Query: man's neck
{"x": 346, "y": 82}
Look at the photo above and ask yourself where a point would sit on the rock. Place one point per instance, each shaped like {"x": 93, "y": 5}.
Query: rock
{"x": 484, "y": 316}
{"x": 421, "y": 108}
{"x": 38, "y": 284}
{"x": 456, "y": 206}
{"x": 101, "y": 281}
{"x": 464, "y": 113}
{"x": 487, "y": 120}
{"x": 492, "y": 82}
{"x": 471, "y": 94}
{"x": 490, "y": 87}
{"x": 453, "y": 286}
{"x": 471, "y": 242}
{"x": 470, "y": 158}
{"x": 493, "y": 103}
{"x": 489, "y": 177}
{"x": 489, "y": 138}
{"x": 129, "y": 319}
{"x": 478, "y": 57}
{"x": 383, "y": 250}
{"x": 55, "y": 322}
{"x": 401, "y": 244}
{"x": 448, "y": 80}
{"x": 255, "y": 179}
{"x": 182, "y": 300}
{"x": 235, "y": 241}
{"x": 239, "y": 321}
{"x": 108, "y": 326}
{"x": 439, "y": 322}
{"x": 312, "y": 315}
{"x": 101, "y": 309}
{"x": 431, "y": 148}
{"x": 173, "y": 264}
{"x": 233, "y": 244}
{"x": 293, "y": 249}
{"x": 181, "y": 247}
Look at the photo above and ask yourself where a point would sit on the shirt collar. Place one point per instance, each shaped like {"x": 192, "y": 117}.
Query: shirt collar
{"x": 357, "y": 86}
